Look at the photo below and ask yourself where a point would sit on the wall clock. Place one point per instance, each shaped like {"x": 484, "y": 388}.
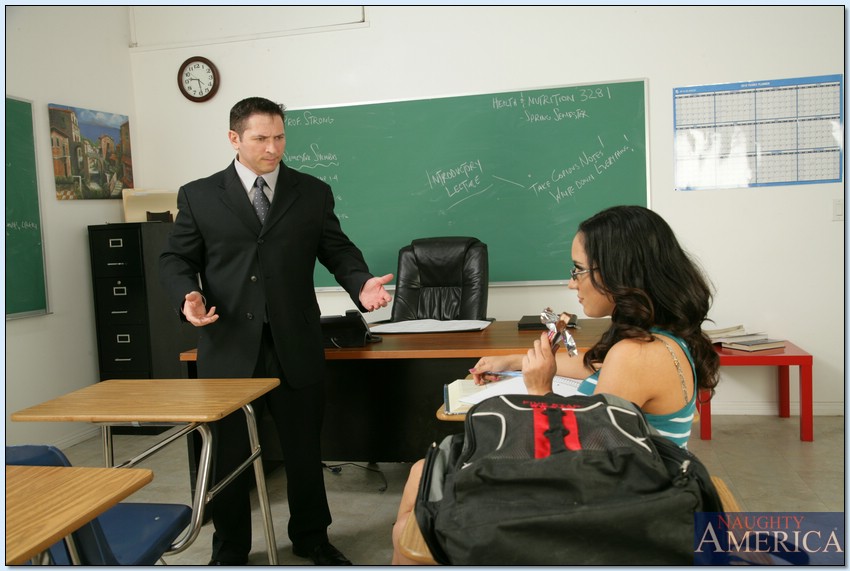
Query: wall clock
{"x": 198, "y": 79}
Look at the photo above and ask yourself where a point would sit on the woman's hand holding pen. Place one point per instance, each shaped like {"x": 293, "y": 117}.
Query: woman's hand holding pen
{"x": 539, "y": 366}
{"x": 488, "y": 369}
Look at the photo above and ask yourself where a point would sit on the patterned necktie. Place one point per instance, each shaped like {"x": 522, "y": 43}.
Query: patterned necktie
{"x": 261, "y": 201}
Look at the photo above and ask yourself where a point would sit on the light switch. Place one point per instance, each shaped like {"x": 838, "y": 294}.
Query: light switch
{"x": 838, "y": 210}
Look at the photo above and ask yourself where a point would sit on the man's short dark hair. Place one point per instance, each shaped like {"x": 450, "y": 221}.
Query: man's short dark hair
{"x": 251, "y": 106}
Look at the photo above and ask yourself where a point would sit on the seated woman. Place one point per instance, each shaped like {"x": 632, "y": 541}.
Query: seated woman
{"x": 628, "y": 265}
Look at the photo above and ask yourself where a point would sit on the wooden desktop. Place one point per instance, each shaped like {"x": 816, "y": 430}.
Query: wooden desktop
{"x": 45, "y": 504}
{"x": 194, "y": 404}
{"x": 499, "y": 338}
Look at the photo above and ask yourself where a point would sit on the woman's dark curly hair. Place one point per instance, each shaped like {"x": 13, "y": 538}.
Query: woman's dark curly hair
{"x": 653, "y": 283}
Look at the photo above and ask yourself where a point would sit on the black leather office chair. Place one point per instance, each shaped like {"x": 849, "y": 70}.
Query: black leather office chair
{"x": 442, "y": 278}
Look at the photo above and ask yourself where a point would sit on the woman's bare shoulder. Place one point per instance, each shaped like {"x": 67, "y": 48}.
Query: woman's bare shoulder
{"x": 645, "y": 371}
{"x": 627, "y": 350}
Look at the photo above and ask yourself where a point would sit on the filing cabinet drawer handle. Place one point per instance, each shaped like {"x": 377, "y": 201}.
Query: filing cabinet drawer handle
{"x": 116, "y": 264}
{"x": 122, "y": 360}
{"x": 121, "y": 312}
{"x": 122, "y": 338}
{"x": 119, "y": 290}
{"x": 116, "y": 243}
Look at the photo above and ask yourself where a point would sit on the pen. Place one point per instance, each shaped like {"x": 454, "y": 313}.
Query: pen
{"x": 504, "y": 373}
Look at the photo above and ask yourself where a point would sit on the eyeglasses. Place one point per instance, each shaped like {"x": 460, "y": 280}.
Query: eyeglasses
{"x": 575, "y": 272}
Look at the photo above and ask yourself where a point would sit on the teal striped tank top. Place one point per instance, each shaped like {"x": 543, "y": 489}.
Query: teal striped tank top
{"x": 675, "y": 426}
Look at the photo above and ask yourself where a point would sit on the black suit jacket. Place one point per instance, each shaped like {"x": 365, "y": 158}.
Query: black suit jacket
{"x": 249, "y": 271}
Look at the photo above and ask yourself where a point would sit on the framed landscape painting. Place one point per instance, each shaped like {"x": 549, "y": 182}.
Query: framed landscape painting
{"x": 91, "y": 150}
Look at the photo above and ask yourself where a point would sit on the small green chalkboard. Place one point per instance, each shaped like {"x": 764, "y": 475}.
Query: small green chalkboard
{"x": 26, "y": 290}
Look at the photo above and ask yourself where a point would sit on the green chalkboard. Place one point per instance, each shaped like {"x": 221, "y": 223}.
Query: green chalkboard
{"x": 26, "y": 292}
{"x": 519, "y": 170}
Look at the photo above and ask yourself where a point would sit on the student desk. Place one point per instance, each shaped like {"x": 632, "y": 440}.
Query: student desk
{"x": 380, "y": 398}
{"x": 46, "y": 503}
{"x": 191, "y": 402}
{"x": 782, "y": 359}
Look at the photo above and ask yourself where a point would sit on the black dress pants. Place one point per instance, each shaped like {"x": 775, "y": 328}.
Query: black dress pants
{"x": 297, "y": 414}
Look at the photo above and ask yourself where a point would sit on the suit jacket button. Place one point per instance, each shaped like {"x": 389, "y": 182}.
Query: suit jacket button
{"x": 253, "y": 278}
{"x": 249, "y": 315}
{"x": 260, "y": 241}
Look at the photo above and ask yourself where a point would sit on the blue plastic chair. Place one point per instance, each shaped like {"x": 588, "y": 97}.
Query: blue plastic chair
{"x": 126, "y": 534}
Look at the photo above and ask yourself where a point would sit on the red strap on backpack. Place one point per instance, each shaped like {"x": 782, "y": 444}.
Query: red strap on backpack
{"x": 555, "y": 429}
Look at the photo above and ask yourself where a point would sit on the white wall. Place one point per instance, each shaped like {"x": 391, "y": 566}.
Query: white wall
{"x": 792, "y": 287}
{"x": 71, "y": 56}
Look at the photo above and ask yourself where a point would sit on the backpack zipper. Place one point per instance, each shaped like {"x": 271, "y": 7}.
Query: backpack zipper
{"x": 684, "y": 473}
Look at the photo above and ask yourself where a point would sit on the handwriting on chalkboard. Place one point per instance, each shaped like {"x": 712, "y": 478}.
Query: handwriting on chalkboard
{"x": 545, "y": 99}
{"x": 21, "y": 225}
{"x": 466, "y": 179}
{"x": 533, "y": 105}
{"x": 460, "y": 182}
{"x": 308, "y": 118}
{"x": 555, "y": 115}
{"x": 565, "y": 181}
{"x": 466, "y": 173}
{"x": 314, "y": 158}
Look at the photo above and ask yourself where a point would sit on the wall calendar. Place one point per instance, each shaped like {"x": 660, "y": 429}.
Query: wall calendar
{"x": 759, "y": 133}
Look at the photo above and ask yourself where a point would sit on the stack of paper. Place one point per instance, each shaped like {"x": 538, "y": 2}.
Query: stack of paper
{"x": 430, "y": 326}
{"x": 461, "y": 394}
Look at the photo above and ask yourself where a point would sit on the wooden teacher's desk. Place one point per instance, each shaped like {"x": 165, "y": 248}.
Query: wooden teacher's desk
{"x": 500, "y": 338}
{"x": 47, "y": 503}
{"x": 191, "y": 402}
{"x": 381, "y": 397}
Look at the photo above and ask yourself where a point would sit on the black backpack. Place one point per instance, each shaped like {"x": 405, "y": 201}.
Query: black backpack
{"x": 551, "y": 480}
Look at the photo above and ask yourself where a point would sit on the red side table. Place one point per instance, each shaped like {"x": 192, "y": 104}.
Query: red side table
{"x": 789, "y": 356}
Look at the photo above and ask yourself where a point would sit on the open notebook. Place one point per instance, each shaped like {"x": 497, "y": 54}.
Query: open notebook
{"x": 461, "y": 394}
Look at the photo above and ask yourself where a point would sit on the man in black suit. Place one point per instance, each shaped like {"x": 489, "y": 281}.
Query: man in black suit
{"x": 248, "y": 285}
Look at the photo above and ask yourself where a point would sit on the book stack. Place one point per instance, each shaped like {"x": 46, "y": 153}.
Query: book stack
{"x": 739, "y": 339}
{"x": 754, "y": 344}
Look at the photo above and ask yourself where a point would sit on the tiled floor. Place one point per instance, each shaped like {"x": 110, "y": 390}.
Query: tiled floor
{"x": 761, "y": 459}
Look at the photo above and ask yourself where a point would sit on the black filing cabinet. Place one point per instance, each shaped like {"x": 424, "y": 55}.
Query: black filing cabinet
{"x": 139, "y": 336}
